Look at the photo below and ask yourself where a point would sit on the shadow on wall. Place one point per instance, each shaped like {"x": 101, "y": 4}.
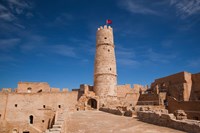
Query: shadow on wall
{"x": 191, "y": 108}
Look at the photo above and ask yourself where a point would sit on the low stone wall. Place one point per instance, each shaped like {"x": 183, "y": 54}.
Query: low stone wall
{"x": 117, "y": 111}
{"x": 169, "y": 120}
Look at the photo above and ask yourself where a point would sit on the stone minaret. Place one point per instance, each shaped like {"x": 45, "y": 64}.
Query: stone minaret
{"x": 105, "y": 73}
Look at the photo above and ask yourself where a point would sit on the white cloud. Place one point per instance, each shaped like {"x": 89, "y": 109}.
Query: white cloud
{"x": 38, "y": 44}
{"x": 136, "y": 6}
{"x": 63, "y": 50}
{"x": 18, "y": 6}
{"x": 194, "y": 63}
{"x": 153, "y": 56}
{"x": 2, "y": 8}
{"x": 125, "y": 57}
{"x": 167, "y": 43}
{"x": 124, "y": 52}
{"x": 5, "y": 14}
{"x": 186, "y": 8}
{"x": 20, "y": 26}
{"x": 128, "y": 62}
{"x": 14, "y": 8}
{"x": 6, "y": 44}
{"x": 6, "y": 58}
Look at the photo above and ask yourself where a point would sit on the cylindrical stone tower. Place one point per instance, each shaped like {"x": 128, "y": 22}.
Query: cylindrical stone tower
{"x": 105, "y": 73}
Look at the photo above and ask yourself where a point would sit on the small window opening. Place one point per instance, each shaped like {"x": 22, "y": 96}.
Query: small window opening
{"x": 31, "y": 119}
{"x": 59, "y": 106}
{"x": 0, "y": 116}
{"x": 105, "y": 37}
{"x": 25, "y": 131}
{"x": 130, "y": 104}
{"x": 108, "y": 50}
{"x": 42, "y": 121}
{"x": 44, "y": 106}
{"x": 15, "y": 105}
{"x": 29, "y": 89}
{"x": 110, "y": 69}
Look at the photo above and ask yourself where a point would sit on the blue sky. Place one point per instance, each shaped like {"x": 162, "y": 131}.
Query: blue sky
{"x": 54, "y": 41}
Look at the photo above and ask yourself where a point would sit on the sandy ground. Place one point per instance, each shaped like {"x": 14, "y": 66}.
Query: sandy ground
{"x": 100, "y": 122}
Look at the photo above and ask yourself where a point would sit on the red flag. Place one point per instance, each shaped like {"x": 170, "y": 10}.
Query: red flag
{"x": 108, "y": 21}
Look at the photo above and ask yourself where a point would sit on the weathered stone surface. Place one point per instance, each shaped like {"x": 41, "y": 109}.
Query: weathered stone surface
{"x": 180, "y": 114}
{"x": 169, "y": 120}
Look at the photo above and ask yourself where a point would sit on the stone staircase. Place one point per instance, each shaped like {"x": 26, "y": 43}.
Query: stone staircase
{"x": 59, "y": 123}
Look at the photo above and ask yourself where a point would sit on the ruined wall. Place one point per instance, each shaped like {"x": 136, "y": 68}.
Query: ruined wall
{"x": 191, "y": 108}
{"x": 122, "y": 90}
{"x": 148, "y": 99}
{"x": 131, "y": 99}
{"x": 33, "y": 87}
{"x": 177, "y": 85}
{"x": 195, "y": 87}
{"x": 3, "y": 104}
{"x": 42, "y": 106}
{"x": 169, "y": 120}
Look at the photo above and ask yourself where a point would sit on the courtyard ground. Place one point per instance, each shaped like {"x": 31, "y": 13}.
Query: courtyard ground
{"x": 101, "y": 122}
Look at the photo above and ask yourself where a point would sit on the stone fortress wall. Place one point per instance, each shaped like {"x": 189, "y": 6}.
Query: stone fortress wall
{"x": 33, "y": 111}
{"x": 162, "y": 118}
{"x": 35, "y": 106}
{"x": 181, "y": 91}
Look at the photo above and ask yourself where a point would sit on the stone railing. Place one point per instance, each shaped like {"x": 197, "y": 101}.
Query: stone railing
{"x": 169, "y": 120}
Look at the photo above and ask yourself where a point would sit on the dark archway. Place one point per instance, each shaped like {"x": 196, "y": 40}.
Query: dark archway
{"x": 92, "y": 103}
{"x": 31, "y": 119}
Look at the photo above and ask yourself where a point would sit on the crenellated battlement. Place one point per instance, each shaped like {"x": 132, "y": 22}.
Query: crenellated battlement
{"x": 105, "y": 27}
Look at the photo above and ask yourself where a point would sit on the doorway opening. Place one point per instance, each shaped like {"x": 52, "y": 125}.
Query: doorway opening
{"x": 14, "y": 131}
{"x": 31, "y": 119}
{"x": 25, "y": 131}
{"x": 92, "y": 103}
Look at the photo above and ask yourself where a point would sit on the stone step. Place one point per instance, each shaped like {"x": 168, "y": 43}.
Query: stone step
{"x": 58, "y": 123}
{"x": 55, "y": 129}
{"x": 57, "y": 126}
{"x": 60, "y": 120}
{"x": 55, "y": 132}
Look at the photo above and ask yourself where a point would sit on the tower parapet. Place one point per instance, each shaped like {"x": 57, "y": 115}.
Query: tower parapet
{"x": 105, "y": 73}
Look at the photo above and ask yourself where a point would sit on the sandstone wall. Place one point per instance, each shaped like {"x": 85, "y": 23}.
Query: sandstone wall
{"x": 122, "y": 90}
{"x": 168, "y": 120}
{"x": 3, "y": 104}
{"x": 177, "y": 85}
{"x": 42, "y": 106}
{"x": 191, "y": 108}
{"x": 148, "y": 99}
{"x": 33, "y": 87}
{"x": 128, "y": 95}
{"x": 195, "y": 87}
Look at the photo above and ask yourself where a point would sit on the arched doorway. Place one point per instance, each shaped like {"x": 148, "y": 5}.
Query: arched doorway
{"x": 92, "y": 103}
{"x": 14, "y": 131}
{"x": 31, "y": 119}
